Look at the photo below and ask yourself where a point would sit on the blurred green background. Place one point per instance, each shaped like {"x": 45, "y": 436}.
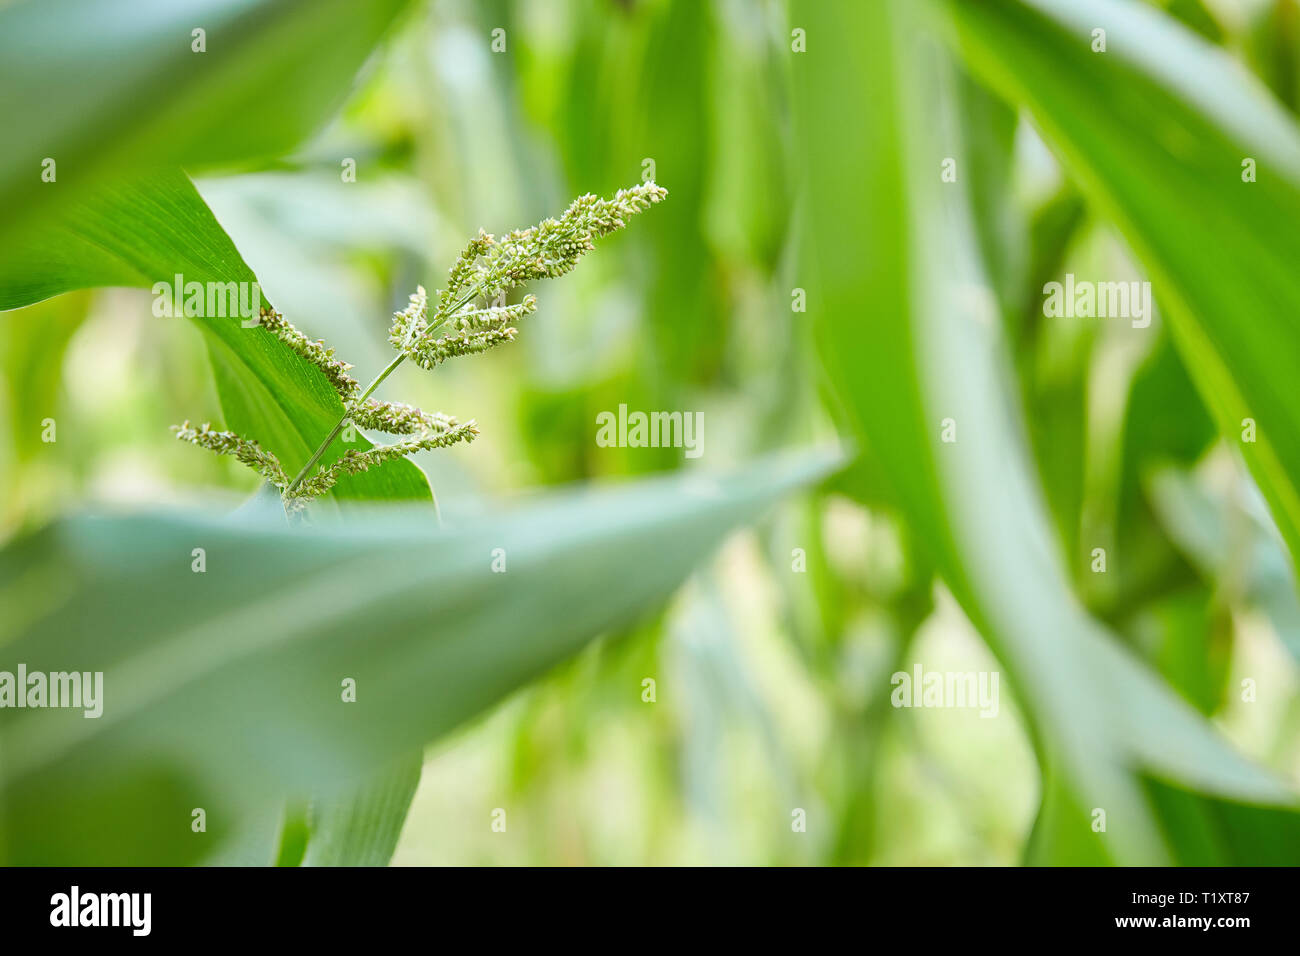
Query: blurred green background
{"x": 772, "y": 686}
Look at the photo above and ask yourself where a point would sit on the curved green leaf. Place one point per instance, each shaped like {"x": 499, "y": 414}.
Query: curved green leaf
{"x": 362, "y": 827}
{"x": 222, "y": 690}
{"x": 909, "y": 332}
{"x": 1156, "y": 131}
{"x": 107, "y": 87}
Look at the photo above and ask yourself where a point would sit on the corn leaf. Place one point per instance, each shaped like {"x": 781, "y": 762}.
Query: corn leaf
{"x": 1158, "y": 131}
{"x": 224, "y": 690}
{"x": 107, "y": 88}
{"x": 908, "y": 328}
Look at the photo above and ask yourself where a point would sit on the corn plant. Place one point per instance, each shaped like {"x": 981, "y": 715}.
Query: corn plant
{"x": 465, "y": 322}
{"x": 871, "y": 202}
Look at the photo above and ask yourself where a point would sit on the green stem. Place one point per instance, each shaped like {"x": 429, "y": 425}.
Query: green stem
{"x": 338, "y": 427}
{"x": 369, "y": 390}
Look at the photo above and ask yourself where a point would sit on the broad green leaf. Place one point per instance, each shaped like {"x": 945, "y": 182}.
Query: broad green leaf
{"x": 1197, "y": 17}
{"x": 1272, "y": 46}
{"x": 1053, "y": 378}
{"x": 988, "y": 128}
{"x": 910, "y": 336}
{"x": 31, "y": 360}
{"x": 1230, "y": 540}
{"x": 1157, "y": 130}
{"x": 223, "y": 690}
{"x": 150, "y": 230}
{"x": 1187, "y": 636}
{"x": 361, "y": 828}
{"x": 1221, "y": 833}
{"x": 1165, "y": 423}
{"x": 107, "y": 87}
{"x": 357, "y": 825}
{"x": 655, "y": 62}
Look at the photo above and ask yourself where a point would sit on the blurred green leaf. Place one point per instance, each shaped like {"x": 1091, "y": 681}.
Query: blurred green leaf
{"x": 107, "y": 87}
{"x": 31, "y": 358}
{"x": 1053, "y": 370}
{"x": 223, "y": 689}
{"x": 747, "y": 201}
{"x": 1188, "y": 637}
{"x": 1156, "y": 131}
{"x": 1165, "y": 423}
{"x": 1207, "y": 832}
{"x": 1230, "y": 542}
{"x": 638, "y": 83}
{"x": 361, "y": 828}
{"x": 988, "y": 128}
{"x": 910, "y": 337}
{"x": 1195, "y": 15}
{"x": 1272, "y": 46}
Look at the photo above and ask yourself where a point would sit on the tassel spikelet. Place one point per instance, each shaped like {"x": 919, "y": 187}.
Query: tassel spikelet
{"x": 353, "y": 462}
{"x": 412, "y": 322}
{"x": 548, "y": 250}
{"x": 470, "y": 318}
{"x": 462, "y": 274}
{"x": 396, "y": 418}
{"x": 471, "y": 330}
{"x": 228, "y": 443}
{"x": 314, "y": 352}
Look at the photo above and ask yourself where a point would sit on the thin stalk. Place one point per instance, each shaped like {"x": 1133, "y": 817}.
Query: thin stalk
{"x": 369, "y": 390}
{"x": 338, "y": 427}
